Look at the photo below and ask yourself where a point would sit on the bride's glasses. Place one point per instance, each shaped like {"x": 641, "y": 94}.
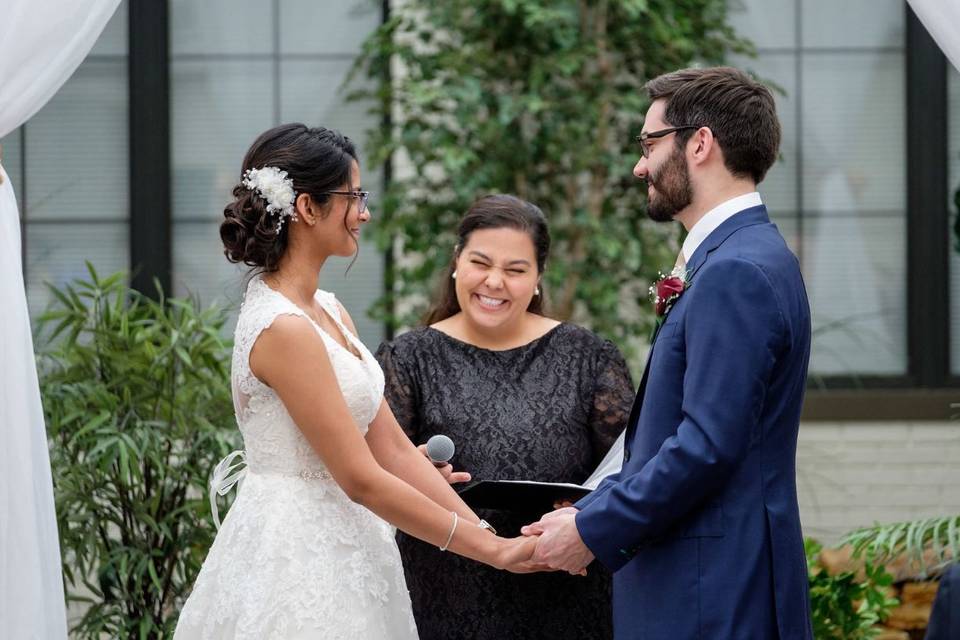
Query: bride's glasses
{"x": 362, "y": 195}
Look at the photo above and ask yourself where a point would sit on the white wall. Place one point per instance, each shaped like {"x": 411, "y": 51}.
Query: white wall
{"x": 853, "y": 474}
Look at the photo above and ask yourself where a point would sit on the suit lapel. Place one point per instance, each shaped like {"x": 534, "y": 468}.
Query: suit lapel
{"x": 745, "y": 218}
{"x": 638, "y": 399}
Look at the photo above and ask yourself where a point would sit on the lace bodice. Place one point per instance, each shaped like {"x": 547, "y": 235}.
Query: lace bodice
{"x": 273, "y": 442}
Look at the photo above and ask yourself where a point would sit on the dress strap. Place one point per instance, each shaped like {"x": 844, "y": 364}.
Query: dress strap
{"x": 261, "y": 306}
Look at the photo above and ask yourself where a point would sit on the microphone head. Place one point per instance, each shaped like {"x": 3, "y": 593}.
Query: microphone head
{"x": 440, "y": 448}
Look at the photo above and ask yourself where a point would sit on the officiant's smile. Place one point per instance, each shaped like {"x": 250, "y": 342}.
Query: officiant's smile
{"x": 496, "y": 276}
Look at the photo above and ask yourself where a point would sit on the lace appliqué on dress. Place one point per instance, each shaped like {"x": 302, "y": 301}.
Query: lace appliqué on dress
{"x": 295, "y": 557}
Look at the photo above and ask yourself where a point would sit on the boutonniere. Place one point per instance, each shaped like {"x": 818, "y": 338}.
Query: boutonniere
{"x": 667, "y": 290}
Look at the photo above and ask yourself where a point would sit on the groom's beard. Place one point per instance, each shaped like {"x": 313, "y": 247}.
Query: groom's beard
{"x": 674, "y": 193}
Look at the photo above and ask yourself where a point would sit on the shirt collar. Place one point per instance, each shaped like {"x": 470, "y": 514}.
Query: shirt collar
{"x": 714, "y": 218}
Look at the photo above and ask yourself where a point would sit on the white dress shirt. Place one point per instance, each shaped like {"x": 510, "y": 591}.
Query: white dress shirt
{"x": 714, "y": 218}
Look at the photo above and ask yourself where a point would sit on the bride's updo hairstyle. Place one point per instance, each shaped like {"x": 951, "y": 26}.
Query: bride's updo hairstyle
{"x": 317, "y": 160}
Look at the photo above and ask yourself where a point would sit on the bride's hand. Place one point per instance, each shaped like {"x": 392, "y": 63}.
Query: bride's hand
{"x": 515, "y": 554}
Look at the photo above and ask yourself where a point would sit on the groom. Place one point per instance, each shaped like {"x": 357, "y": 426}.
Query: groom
{"x": 701, "y": 525}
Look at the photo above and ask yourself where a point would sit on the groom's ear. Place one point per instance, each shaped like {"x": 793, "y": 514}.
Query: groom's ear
{"x": 701, "y": 145}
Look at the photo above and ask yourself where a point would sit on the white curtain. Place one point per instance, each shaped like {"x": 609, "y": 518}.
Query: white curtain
{"x": 41, "y": 44}
{"x": 942, "y": 20}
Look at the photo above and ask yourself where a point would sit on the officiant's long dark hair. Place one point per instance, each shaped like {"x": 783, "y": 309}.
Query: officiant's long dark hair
{"x": 494, "y": 212}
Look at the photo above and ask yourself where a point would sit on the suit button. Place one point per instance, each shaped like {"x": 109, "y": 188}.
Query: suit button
{"x": 626, "y": 455}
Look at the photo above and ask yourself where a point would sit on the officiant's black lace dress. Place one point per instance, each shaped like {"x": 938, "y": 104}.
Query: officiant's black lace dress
{"x": 546, "y": 411}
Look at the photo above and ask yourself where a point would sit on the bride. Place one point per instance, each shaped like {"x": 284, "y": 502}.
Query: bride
{"x": 307, "y": 550}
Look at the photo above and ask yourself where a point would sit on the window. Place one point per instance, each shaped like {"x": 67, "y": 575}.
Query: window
{"x": 953, "y": 187}
{"x": 238, "y": 68}
{"x": 838, "y": 193}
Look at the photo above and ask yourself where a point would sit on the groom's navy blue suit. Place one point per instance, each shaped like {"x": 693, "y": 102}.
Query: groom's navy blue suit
{"x": 702, "y": 525}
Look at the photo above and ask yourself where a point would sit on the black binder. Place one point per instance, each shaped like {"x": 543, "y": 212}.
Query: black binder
{"x": 520, "y": 496}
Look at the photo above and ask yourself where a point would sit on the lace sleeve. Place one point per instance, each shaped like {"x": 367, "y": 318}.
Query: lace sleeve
{"x": 400, "y": 389}
{"x": 613, "y": 395}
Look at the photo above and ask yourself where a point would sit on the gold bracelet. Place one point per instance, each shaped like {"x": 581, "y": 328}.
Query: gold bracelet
{"x": 456, "y": 519}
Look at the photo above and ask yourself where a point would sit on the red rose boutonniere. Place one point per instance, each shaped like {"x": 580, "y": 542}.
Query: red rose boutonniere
{"x": 667, "y": 290}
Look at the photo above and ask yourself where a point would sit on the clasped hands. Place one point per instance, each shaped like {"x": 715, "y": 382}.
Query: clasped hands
{"x": 550, "y": 544}
{"x": 558, "y": 545}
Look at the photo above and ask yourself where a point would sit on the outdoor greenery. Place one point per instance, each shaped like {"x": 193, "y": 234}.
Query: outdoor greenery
{"x": 928, "y": 543}
{"x": 138, "y": 410}
{"x": 843, "y": 606}
{"x": 542, "y": 99}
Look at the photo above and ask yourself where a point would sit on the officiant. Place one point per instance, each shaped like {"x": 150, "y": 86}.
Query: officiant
{"x": 524, "y": 397}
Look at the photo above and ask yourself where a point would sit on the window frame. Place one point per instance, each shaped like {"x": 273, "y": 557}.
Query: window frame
{"x": 924, "y": 392}
{"x": 928, "y": 388}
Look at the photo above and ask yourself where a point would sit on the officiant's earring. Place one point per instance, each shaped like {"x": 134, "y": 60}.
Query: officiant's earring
{"x": 536, "y": 291}
{"x": 454, "y": 274}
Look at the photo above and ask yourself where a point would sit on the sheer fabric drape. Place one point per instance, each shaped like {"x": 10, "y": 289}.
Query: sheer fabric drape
{"x": 41, "y": 44}
{"x": 942, "y": 20}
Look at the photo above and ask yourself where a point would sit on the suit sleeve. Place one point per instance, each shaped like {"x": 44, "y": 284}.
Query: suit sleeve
{"x": 945, "y": 618}
{"x": 733, "y": 330}
{"x": 605, "y": 485}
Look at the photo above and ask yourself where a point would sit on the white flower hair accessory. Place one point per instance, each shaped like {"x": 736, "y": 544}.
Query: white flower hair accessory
{"x": 276, "y": 188}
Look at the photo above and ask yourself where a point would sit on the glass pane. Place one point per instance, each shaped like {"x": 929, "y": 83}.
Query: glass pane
{"x": 11, "y": 159}
{"x": 326, "y": 26}
{"x": 853, "y": 115}
{"x": 216, "y": 114}
{"x": 768, "y": 24}
{"x": 56, "y": 253}
{"x": 202, "y": 270}
{"x": 113, "y": 40}
{"x": 953, "y": 118}
{"x": 779, "y": 71}
{"x": 312, "y": 94}
{"x": 77, "y": 147}
{"x": 853, "y": 265}
{"x": 222, "y": 26}
{"x": 853, "y": 23}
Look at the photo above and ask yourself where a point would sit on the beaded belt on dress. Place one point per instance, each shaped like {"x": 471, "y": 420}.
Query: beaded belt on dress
{"x": 231, "y": 471}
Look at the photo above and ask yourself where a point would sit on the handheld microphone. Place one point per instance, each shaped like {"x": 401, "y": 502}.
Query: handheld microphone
{"x": 440, "y": 449}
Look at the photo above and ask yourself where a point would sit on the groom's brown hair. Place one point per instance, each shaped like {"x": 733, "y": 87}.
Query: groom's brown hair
{"x": 739, "y": 111}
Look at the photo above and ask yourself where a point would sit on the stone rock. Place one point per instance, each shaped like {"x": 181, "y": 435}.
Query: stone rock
{"x": 891, "y": 634}
{"x": 909, "y": 616}
{"x": 902, "y": 568}
{"x": 919, "y": 593}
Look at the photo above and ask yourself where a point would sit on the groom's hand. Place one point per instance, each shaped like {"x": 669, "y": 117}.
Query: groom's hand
{"x": 560, "y": 546}
{"x": 451, "y": 476}
{"x": 536, "y": 529}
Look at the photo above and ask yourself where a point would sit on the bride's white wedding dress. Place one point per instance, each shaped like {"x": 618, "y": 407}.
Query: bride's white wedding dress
{"x": 295, "y": 557}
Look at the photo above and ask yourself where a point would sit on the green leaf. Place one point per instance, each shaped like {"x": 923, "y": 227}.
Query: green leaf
{"x": 130, "y": 429}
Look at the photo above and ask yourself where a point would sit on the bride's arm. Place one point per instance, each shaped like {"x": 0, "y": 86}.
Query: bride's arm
{"x": 398, "y": 455}
{"x": 291, "y": 358}
{"x": 395, "y": 453}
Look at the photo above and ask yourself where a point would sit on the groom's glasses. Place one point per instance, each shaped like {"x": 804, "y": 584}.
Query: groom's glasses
{"x": 362, "y": 195}
{"x": 653, "y": 135}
